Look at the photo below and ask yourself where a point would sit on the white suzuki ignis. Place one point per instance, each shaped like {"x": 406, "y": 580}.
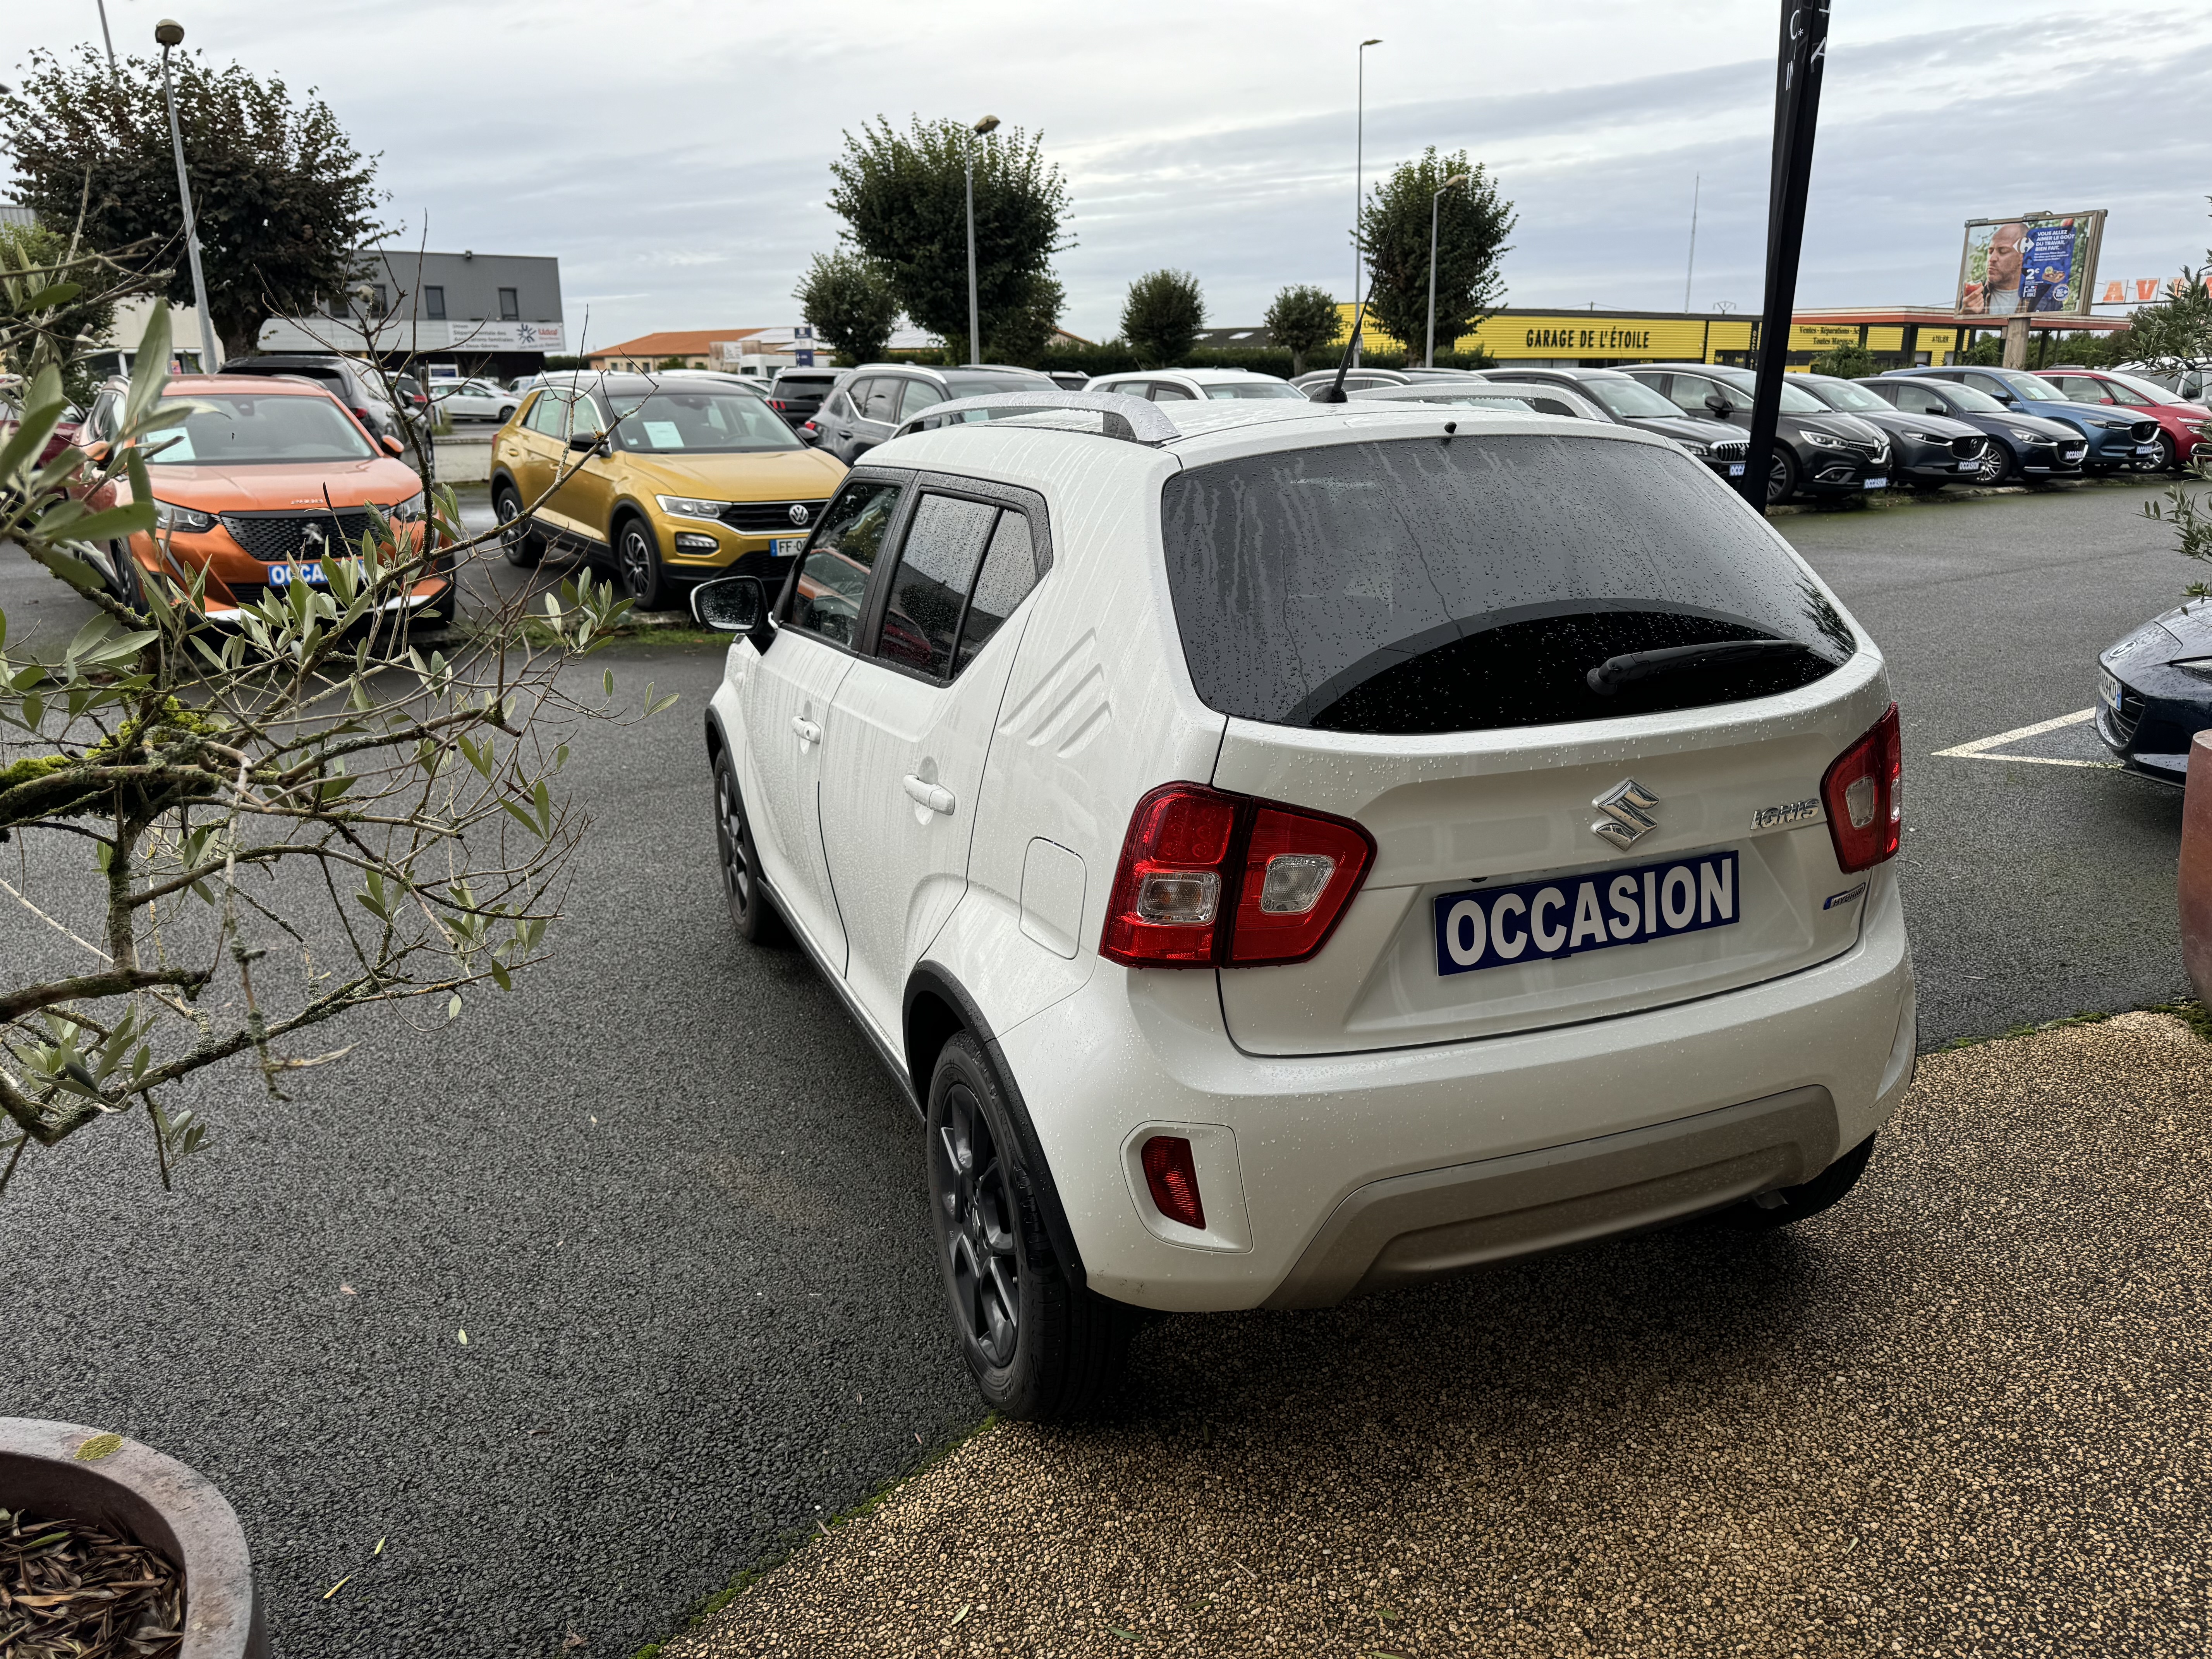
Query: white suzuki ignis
{"x": 1286, "y": 851}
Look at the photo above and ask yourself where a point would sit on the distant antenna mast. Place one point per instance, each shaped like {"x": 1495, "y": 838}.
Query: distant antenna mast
{"x": 1697, "y": 184}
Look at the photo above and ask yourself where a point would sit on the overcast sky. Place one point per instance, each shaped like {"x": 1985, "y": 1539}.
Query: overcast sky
{"x": 674, "y": 153}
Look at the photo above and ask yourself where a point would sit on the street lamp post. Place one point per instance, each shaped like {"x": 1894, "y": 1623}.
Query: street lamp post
{"x": 1358, "y": 169}
{"x": 1435, "y": 195}
{"x": 169, "y": 33}
{"x": 988, "y": 124}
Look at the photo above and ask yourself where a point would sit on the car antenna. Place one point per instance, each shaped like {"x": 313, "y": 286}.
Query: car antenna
{"x": 1336, "y": 393}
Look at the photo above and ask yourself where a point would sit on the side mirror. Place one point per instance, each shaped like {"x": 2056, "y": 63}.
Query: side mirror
{"x": 1719, "y": 405}
{"x": 97, "y": 451}
{"x": 588, "y": 442}
{"x": 733, "y": 605}
{"x": 392, "y": 446}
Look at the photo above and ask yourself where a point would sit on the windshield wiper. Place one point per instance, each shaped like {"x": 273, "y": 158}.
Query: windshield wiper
{"x": 1610, "y": 676}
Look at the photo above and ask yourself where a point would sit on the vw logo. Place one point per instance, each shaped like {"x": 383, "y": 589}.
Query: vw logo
{"x": 798, "y": 512}
{"x": 1627, "y": 807}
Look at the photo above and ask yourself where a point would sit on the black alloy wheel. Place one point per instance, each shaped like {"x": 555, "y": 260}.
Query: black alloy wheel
{"x": 637, "y": 563}
{"x": 982, "y": 1266}
{"x": 1041, "y": 1347}
{"x": 1780, "y": 475}
{"x": 523, "y": 541}
{"x": 751, "y": 912}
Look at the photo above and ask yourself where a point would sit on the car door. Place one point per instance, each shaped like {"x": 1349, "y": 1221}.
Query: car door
{"x": 878, "y": 416}
{"x": 587, "y": 486}
{"x": 903, "y": 762}
{"x": 836, "y": 418}
{"x": 786, "y": 697}
{"x": 534, "y": 449}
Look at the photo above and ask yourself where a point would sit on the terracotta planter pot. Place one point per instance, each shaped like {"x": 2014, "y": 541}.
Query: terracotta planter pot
{"x": 139, "y": 1494}
{"x": 2196, "y": 886}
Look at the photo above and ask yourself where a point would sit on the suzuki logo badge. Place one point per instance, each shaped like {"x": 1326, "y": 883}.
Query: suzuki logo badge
{"x": 798, "y": 512}
{"x": 1628, "y": 808}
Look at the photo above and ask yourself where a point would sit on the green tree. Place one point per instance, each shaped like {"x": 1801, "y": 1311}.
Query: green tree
{"x": 1022, "y": 336}
{"x": 903, "y": 198}
{"x": 1161, "y": 318}
{"x": 1302, "y": 319}
{"x": 1472, "y": 224}
{"x": 848, "y": 299}
{"x": 1850, "y": 360}
{"x": 2176, "y": 333}
{"x": 284, "y": 200}
{"x": 33, "y": 254}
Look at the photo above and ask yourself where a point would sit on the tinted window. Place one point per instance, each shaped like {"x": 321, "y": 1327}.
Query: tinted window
{"x": 1166, "y": 391}
{"x": 967, "y": 384}
{"x": 943, "y": 545}
{"x": 1689, "y": 391}
{"x": 1626, "y": 397}
{"x": 833, "y": 577}
{"x": 509, "y": 310}
{"x": 882, "y": 401}
{"x": 1426, "y": 585}
{"x": 1988, "y": 384}
{"x": 434, "y": 302}
{"x": 1915, "y": 399}
{"x": 1009, "y": 571}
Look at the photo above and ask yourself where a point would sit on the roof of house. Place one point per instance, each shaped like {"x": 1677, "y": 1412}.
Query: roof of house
{"x": 673, "y": 343}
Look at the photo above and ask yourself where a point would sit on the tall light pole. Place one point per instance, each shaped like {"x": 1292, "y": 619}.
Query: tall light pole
{"x": 169, "y": 33}
{"x": 112, "y": 71}
{"x": 988, "y": 124}
{"x": 1435, "y": 195}
{"x": 1358, "y": 166}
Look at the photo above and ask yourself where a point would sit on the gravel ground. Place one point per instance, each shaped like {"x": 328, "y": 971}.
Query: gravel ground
{"x": 1964, "y": 1413}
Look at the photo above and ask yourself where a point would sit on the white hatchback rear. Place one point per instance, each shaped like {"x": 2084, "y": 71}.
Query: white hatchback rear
{"x": 1287, "y": 851}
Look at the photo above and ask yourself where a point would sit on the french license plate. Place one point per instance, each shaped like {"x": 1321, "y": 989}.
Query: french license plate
{"x": 1573, "y": 915}
{"x": 1877, "y": 484}
{"x": 786, "y": 547}
{"x": 1735, "y": 469}
{"x": 2108, "y": 690}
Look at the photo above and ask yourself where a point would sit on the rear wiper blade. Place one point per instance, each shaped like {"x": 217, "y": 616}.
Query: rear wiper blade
{"x": 1610, "y": 676}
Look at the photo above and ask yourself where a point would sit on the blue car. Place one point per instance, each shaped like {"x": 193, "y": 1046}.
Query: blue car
{"x": 2154, "y": 692}
{"x": 2020, "y": 445}
{"x": 2117, "y": 443}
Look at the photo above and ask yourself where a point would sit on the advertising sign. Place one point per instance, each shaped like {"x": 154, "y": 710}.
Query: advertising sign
{"x": 2032, "y": 262}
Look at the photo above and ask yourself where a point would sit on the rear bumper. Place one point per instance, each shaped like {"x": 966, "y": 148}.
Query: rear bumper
{"x": 1327, "y": 1176}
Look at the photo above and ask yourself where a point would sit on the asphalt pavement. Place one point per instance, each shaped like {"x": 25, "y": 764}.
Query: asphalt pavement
{"x": 678, "y": 1211}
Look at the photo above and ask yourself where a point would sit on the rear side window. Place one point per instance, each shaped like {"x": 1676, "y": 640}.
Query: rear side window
{"x": 832, "y": 580}
{"x": 882, "y": 401}
{"x": 1450, "y": 584}
{"x": 965, "y": 565}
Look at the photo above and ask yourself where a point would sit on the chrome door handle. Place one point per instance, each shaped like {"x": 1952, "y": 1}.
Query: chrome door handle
{"x": 807, "y": 730}
{"x": 936, "y": 797}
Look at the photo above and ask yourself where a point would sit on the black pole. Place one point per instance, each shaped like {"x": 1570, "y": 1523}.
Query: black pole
{"x": 1797, "y": 112}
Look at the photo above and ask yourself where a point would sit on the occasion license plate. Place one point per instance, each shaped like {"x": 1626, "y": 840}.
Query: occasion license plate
{"x": 1877, "y": 484}
{"x": 310, "y": 571}
{"x": 1496, "y": 927}
{"x": 1735, "y": 469}
{"x": 786, "y": 547}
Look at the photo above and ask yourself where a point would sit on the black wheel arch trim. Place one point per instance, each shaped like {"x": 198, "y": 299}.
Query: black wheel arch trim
{"x": 921, "y": 1030}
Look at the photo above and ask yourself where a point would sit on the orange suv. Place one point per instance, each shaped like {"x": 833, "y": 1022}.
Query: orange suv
{"x": 265, "y": 481}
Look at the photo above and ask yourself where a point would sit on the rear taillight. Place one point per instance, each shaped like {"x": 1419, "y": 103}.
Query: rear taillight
{"x": 1211, "y": 879}
{"x": 1171, "y": 1176}
{"x": 777, "y": 404}
{"x": 1864, "y": 794}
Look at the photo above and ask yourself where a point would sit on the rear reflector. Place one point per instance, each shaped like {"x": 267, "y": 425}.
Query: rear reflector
{"x": 1211, "y": 879}
{"x": 1172, "y": 1177}
{"x": 1864, "y": 794}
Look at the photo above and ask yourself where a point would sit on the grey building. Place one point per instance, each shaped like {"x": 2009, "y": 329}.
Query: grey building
{"x": 482, "y": 313}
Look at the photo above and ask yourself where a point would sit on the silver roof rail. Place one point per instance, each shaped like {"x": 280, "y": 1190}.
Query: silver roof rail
{"x": 1133, "y": 420}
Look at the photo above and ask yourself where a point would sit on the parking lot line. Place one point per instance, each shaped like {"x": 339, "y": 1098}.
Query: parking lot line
{"x": 1980, "y": 747}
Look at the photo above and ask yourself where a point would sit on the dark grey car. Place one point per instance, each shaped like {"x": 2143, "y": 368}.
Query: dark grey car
{"x": 1627, "y": 401}
{"x": 1817, "y": 452}
{"x": 869, "y": 402}
{"x": 1927, "y": 451}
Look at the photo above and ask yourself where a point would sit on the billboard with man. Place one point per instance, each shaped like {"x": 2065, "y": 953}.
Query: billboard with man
{"x": 2035, "y": 262}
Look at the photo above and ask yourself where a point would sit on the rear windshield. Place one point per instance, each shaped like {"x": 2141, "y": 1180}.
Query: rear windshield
{"x": 1430, "y": 584}
{"x": 977, "y": 386}
{"x": 805, "y": 383}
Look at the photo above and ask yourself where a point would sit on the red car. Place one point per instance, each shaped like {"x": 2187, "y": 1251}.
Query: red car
{"x": 2181, "y": 426}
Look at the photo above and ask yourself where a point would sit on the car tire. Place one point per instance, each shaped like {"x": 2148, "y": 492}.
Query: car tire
{"x": 125, "y": 580}
{"x": 752, "y": 912}
{"x": 1996, "y": 464}
{"x": 2168, "y": 459}
{"x": 1790, "y": 1205}
{"x": 1780, "y": 475}
{"x": 504, "y": 414}
{"x": 523, "y": 542}
{"x": 638, "y": 567}
{"x": 1040, "y": 1347}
